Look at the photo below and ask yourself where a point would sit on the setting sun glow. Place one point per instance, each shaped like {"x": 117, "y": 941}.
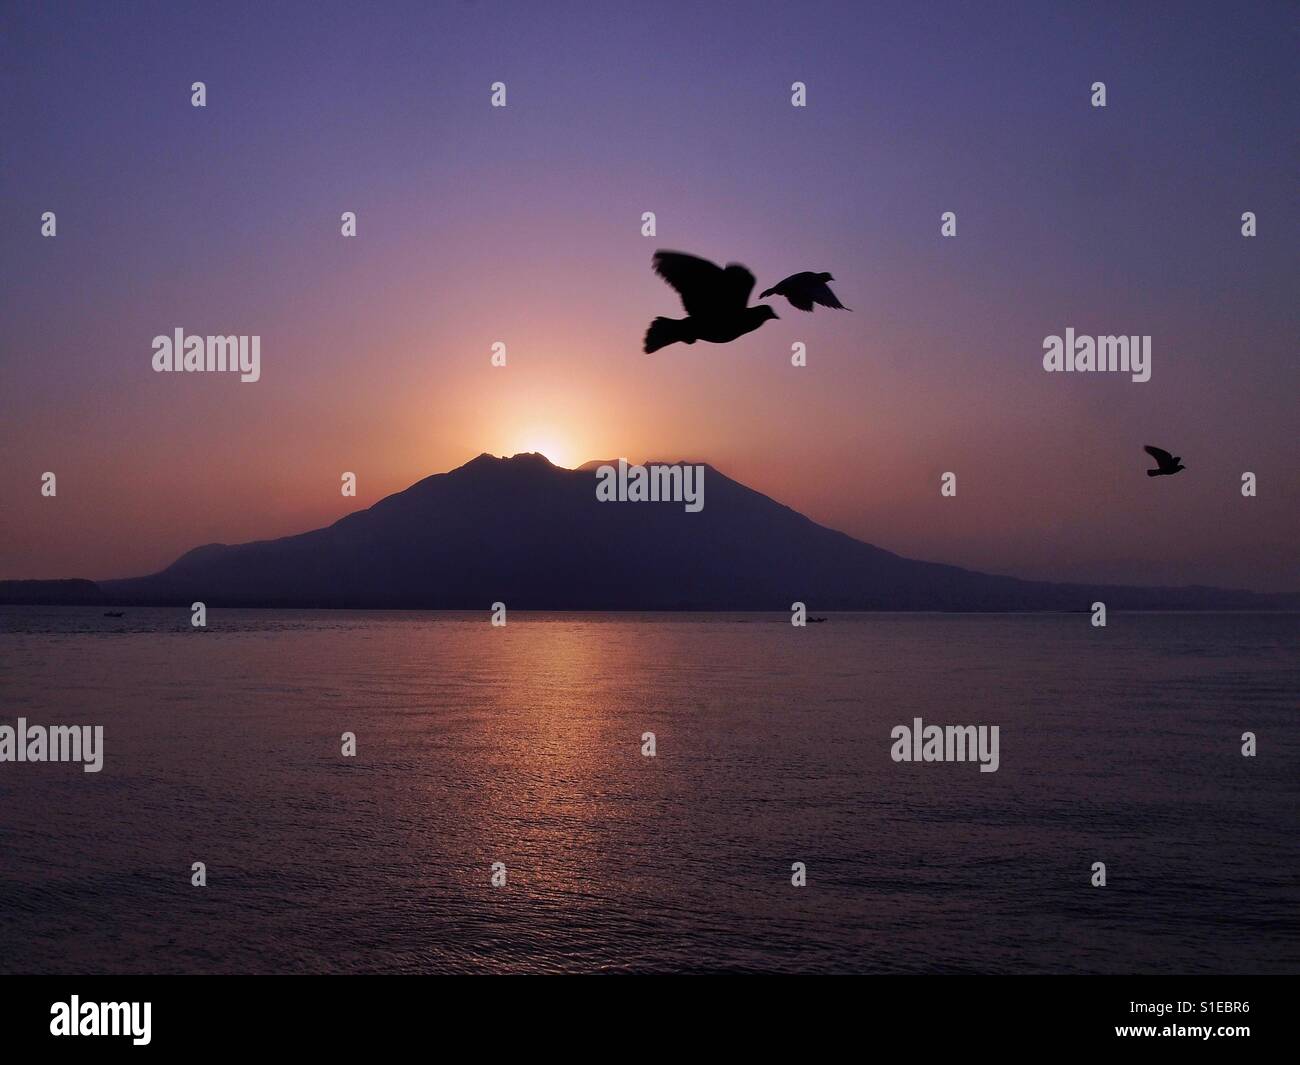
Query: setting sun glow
{"x": 556, "y": 449}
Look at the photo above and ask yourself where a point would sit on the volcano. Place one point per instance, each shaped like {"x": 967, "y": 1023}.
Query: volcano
{"x": 534, "y": 536}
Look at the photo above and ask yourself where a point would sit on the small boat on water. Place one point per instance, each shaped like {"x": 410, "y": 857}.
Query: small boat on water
{"x": 114, "y": 613}
{"x": 816, "y": 620}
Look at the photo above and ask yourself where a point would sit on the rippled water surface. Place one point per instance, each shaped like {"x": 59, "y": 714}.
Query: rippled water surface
{"x": 522, "y": 745}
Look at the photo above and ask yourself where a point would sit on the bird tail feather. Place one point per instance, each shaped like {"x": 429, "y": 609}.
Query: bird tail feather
{"x": 662, "y": 332}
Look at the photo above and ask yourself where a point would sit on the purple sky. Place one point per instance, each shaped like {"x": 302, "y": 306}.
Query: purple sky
{"x": 522, "y": 225}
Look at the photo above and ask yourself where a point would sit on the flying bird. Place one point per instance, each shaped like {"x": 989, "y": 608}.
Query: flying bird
{"x": 716, "y": 302}
{"x": 803, "y": 290}
{"x": 1167, "y": 464}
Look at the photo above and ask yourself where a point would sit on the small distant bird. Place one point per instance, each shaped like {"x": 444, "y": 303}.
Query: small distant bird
{"x": 1168, "y": 464}
{"x": 803, "y": 290}
{"x": 716, "y": 302}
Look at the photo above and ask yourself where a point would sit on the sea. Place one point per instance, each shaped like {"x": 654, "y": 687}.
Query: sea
{"x": 650, "y": 793}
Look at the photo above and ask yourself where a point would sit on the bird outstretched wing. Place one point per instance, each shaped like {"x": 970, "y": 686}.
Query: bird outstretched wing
{"x": 696, "y": 280}
{"x": 821, "y": 293}
{"x": 705, "y": 288}
{"x": 1159, "y": 454}
{"x": 738, "y": 283}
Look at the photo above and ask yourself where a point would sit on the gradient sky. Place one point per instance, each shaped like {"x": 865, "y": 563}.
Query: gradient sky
{"x": 522, "y": 225}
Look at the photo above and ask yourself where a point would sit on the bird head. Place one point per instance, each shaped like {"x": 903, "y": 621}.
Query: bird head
{"x": 824, "y": 278}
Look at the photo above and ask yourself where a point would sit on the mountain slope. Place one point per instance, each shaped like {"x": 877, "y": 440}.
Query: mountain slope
{"x": 534, "y": 536}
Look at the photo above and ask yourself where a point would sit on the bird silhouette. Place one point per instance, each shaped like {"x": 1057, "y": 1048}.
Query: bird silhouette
{"x": 803, "y": 290}
{"x": 716, "y": 302}
{"x": 1167, "y": 464}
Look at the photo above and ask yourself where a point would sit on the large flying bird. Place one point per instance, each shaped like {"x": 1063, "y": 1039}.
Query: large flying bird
{"x": 716, "y": 302}
{"x": 803, "y": 290}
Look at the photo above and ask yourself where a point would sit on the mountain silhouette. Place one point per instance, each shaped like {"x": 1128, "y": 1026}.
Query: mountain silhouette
{"x": 534, "y": 536}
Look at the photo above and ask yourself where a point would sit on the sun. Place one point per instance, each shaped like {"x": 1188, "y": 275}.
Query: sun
{"x": 556, "y": 449}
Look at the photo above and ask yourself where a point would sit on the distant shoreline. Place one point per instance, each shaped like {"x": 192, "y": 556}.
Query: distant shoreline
{"x": 777, "y": 613}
